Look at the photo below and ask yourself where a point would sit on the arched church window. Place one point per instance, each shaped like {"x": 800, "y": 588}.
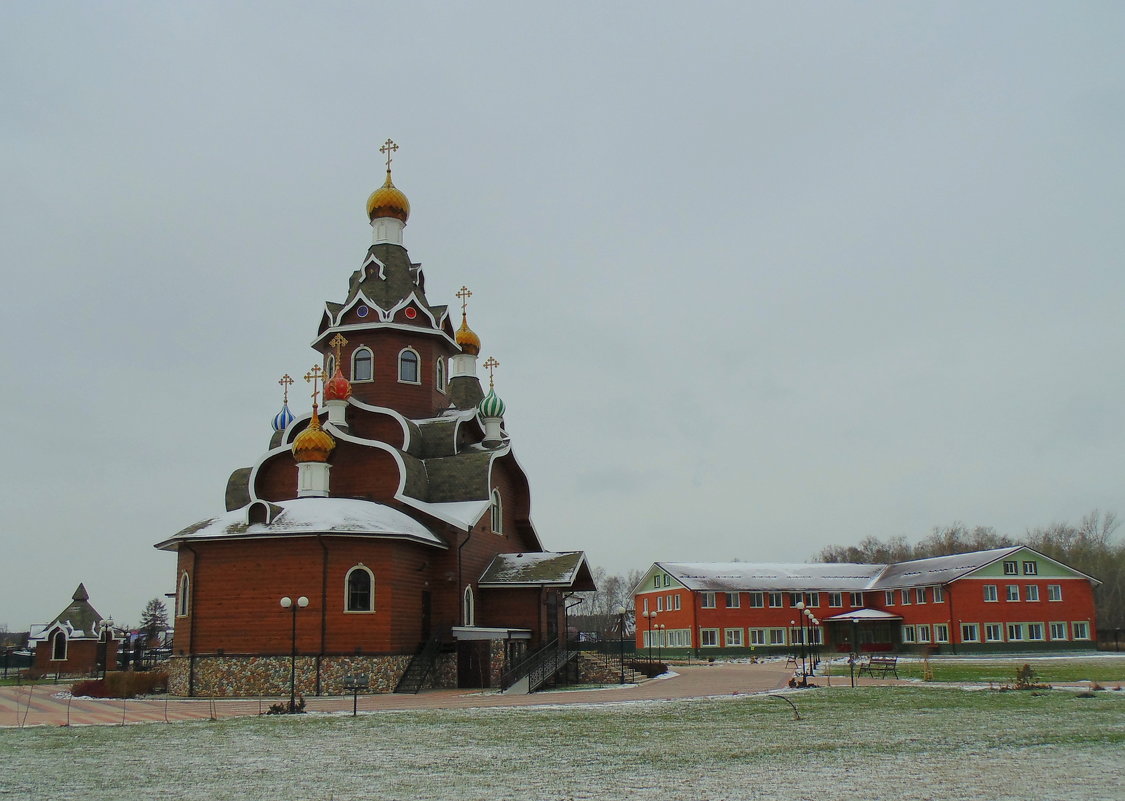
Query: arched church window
{"x": 408, "y": 366}
{"x": 183, "y": 596}
{"x": 362, "y": 362}
{"x": 58, "y": 645}
{"x": 330, "y": 366}
{"x": 439, "y": 374}
{"x": 359, "y": 590}
{"x": 497, "y": 511}
{"x": 469, "y": 612}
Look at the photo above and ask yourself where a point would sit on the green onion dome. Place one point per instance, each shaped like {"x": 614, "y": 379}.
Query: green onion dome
{"x": 492, "y": 406}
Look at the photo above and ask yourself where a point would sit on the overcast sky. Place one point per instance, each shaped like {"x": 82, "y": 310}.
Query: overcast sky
{"x": 761, "y": 277}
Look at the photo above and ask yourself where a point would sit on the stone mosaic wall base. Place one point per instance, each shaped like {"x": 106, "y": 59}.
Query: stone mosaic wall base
{"x": 248, "y": 676}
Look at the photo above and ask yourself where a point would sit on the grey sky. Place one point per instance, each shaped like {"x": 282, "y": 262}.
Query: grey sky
{"x": 761, "y": 277}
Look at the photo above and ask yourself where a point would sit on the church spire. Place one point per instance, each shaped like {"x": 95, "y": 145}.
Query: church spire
{"x": 387, "y": 207}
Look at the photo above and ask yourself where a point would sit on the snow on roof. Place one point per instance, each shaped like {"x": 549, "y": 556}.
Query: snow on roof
{"x": 522, "y": 569}
{"x": 938, "y": 569}
{"x": 731, "y": 576}
{"x": 463, "y": 514}
{"x": 312, "y": 516}
{"x": 865, "y": 616}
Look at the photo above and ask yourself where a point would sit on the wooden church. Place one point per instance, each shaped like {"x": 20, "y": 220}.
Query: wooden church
{"x": 385, "y": 533}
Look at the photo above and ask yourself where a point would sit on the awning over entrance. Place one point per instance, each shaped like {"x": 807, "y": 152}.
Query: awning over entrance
{"x": 863, "y": 616}
{"x": 465, "y": 633}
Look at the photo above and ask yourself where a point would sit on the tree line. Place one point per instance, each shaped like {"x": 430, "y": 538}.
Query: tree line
{"x": 1090, "y": 547}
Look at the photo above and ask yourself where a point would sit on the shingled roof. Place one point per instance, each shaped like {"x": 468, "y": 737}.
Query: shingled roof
{"x": 567, "y": 569}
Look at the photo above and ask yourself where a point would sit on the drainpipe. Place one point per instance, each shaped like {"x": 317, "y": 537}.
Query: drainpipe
{"x": 323, "y": 607}
{"x": 954, "y": 626}
{"x": 192, "y": 589}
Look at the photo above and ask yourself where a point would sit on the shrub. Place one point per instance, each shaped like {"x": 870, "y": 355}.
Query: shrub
{"x": 92, "y": 688}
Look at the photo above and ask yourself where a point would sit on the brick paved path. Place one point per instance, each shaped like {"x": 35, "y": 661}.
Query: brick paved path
{"x": 38, "y": 706}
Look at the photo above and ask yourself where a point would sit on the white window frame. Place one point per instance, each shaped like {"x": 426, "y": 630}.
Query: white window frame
{"x": 923, "y": 632}
{"x": 417, "y": 366}
{"x": 796, "y": 635}
{"x": 856, "y": 600}
{"x": 1080, "y": 630}
{"x": 1017, "y": 629}
{"x": 1031, "y": 634}
{"x": 998, "y": 628}
{"x": 659, "y": 603}
{"x": 371, "y": 361}
{"x": 707, "y": 600}
{"x": 736, "y": 642}
{"x": 904, "y": 597}
{"x": 813, "y": 600}
{"x": 888, "y": 597}
{"x": 1012, "y": 593}
{"x": 737, "y": 601}
{"x": 835, "y": 600}
{"x": 709, "y": 634}
{"x": 183, "y": 596}
{"x": 469, "y": 609}
{"x": 757, "y": 600}
{"x": 795, "y": 598}
{"x": 776, "y": 636}
{"x": 939, "y": 594}
{"x": 919, "y": 595}
{"x": 908, "y": 634}
{"x": 779, "y": 597}
{"x": 1054, "y": 592}
{"x": 990, "y": 596}
{"x": 439, "y": 374}
{"x": 757, "y": 637}
{"x": 496, "y": 513}
{"x": 1011, "y": 567}
{"x": 347, "y": 590}
{"x": 1055, "y": 633}
{"x": 1030, "y": 567}
{"x": 673, "y": 603}
{"x": 941, "y": 632}
{"x": 329, "y": 365}
{"x": 1031, "y": 592}
{"x": 974, "y": 628}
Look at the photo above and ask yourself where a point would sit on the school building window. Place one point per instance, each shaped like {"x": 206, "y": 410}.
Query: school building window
{"x": 923, "y": 634}
{"x": 907, "y": 634}
{"x": 1030, "y": 568}
{"x": 707, "y": 600}
{"x": 1034, "y": 631}
{"x": 857, "y": 600}
{"x": 904, "y": 596}
{"x": 990, "y": 592}
{"x": 835, "y": 599}
{"x": 920, "y": 595}
{"x": 1054, "y": 592}
{"x": 1058, "y": 631}
{"x": 814, "y": 599}
{"x": 732, "y": 638}
{"x": 993, "y": 632}
{"x": 757, "y": 636}
{"x": 889, "y": 598}
{"x": 1080, "y": 629}
{"x": 1011, "y": 569}
{"x": 709, "y": 638}
{"x": 1013, "y": 592}
{"x": 732, "y": 600}
{"x": 777, "y": 636}
{"x": 1015, "y": 632}
{"x": 941, "y": 632}
{"x": 776, "y": 600}
{"x": 970, "y": 632}
{"x": 1032, "y": 593}
{"x": 756, "y": 600}
{"x": 939, "y": 595}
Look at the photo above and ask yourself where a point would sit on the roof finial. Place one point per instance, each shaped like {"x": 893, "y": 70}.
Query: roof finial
{"x": 388, "y": 148}
{"x": 285, "y": 382}
{"x": 313, "y": 376}
{"x": 491, "y": 364}
{"x": 338, "y": 342}
{"x": 464, "y": 294}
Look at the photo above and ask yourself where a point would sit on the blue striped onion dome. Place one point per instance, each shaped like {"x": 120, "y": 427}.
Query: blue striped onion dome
{"x": 282, "y": 419}
{"x": 492, "y": 406}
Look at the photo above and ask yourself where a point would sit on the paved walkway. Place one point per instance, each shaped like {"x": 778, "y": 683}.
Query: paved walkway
{"x": 38, "y": 705}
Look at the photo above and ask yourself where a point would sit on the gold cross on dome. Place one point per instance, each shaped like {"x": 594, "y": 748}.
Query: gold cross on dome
{"x": 388, "y": 148}
{"x": 314, "y": 375}
{"x": 491, "y": 364}
{"x": 464, "y": 294}
{"x": 285, "y": 382}
{"x": 338, "y": 342}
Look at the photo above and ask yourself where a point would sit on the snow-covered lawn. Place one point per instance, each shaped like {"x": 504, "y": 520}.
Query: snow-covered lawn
{"x": 867, "y": 743}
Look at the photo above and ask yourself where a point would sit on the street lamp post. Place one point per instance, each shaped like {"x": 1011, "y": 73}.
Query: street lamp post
{"x": 620, "y": 612}
{"x": 287, "y": 603}
{"x": 801, "y": 618}
{"x": 814, "y": 625}
{"x": 660, "y": 627}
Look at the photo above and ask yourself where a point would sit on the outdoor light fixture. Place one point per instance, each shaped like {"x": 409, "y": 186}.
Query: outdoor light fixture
{"x": 620, "y": 611}
{"x": 287, "y": 603}
{"x": 650, "y": 617}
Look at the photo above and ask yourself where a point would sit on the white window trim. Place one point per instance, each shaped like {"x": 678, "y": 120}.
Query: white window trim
{"x": 763, "y": 639}
{"x": 469, "y": 610}
{"x": 347, "y": 580}
{"x": 995, "y": 594}
{"x": 1066, "y": 630}
{"x": 838, "y": 597}
{"x": 417, "y": 365}
{"x": 1000, "y": 627}
{"x": 356, "y": 352}
{"x": 737, "y": 600}
{"x": 741, "y": 638}
{"x": 704, "y": 598}
{"x": 1054, "y": 600}
{"x": 66, "y": 645}
{"x": 784, "y": 635}
{"x": 920, "y": 595}
{"x": 939, "y": 594}
{"x": 939, "y": 637}
{"x": 1085, "y": 624}
{"x": 496, "y": 513}
{"x": 183, "y": 595}
{"x": 1030, "y": 590}
{"x": 856, "y": 600}
{"x": 975, "y": 627}
{"x": 440, "y": 379}
{"x": 714, "y": 632}
{"x": 1008, "y": 593}
{"x": 779, "y": 597}
{"x": 1042, "y": 632}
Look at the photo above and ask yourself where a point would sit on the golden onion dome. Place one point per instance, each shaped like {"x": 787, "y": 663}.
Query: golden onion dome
{"x": 388, "y": 201}
{"x": 467, "y": 339}
{"x": 314, "y": 443}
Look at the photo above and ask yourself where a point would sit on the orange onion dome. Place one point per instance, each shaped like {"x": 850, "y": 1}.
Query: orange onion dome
{"x": 338, "y": 387}
{"x": 388, "y": 201}
{"x": 467, "y": 339}
{"x": 313, "y": 444}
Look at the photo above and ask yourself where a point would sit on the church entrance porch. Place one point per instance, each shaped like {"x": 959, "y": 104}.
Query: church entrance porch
{"x": 483, "y": 654}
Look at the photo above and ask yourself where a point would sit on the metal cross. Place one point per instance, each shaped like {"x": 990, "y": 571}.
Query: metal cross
{"x": 491, "y": 364}
{"x": 314, "y": 375}
{"x": 388, "y": 148}
{"x": 338, "y": 342}
{"x": 464, "y": 294}
{"x": 285, "y": 382}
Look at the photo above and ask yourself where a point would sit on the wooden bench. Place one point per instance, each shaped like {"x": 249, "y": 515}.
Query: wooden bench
{"x": 881, "y": 665}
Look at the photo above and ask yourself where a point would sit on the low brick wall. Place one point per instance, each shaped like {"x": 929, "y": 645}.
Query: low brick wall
{"x": 234, "y": 676}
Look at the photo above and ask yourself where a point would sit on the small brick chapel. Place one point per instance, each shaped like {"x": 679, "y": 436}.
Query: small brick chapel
{"x": 388, "y": 524}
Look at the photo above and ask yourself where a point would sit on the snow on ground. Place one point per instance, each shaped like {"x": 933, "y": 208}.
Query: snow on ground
{"x": 903, "y": 743}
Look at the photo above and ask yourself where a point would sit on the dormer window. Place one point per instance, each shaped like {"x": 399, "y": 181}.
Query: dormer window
{"x": 362, "y": 364}
{"x": 408, "y": 367}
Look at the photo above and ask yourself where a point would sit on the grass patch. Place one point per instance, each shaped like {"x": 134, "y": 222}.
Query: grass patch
{"x": 974, "y": 745}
